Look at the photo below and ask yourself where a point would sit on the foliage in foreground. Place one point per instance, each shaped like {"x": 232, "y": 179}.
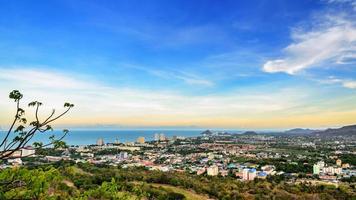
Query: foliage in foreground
{"x": 84, "y": 181}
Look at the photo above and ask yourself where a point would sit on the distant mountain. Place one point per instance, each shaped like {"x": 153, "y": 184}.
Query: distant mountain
{"x": 249, "y": 133}
{"x": 343, "y": 131}
{"x": 207, "y": 133}
{"x": 299, "y": 131}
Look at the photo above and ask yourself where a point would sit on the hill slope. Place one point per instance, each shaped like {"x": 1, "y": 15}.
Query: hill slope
{"x": 343, "y": 131}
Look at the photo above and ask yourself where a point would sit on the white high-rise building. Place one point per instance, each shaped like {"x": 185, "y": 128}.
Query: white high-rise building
{"x": 162, "y": 137}
{"x": 141, "y": 140}
{"x": 156, "y": 137}
{"x": 100, "y": 142}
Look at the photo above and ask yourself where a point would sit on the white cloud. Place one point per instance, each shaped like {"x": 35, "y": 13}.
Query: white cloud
{"x": 334, "y": 41}
{"x": 104, "y": 104}
{"x": 36, "y": 78}
{"x": 188, "y": 78}
{"x": 349, "y": 84}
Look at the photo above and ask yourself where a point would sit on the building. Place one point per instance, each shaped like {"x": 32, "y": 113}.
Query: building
{"x": 82, "y": 148}
{"x": 174, "y": 138}
{"x": 15, "y": 154}
{"x": 252, "y": 173}
{"x": 141, "y": 140}
{"x": 100, "y": 142}
{"x": 321, "y": 164}
{"x": 269, "y": 169}
{"x": 346, "y": 165}
{"x": 156, "y": 136}
{"x": 316, "y": 169}
{"x": 162, "y": 137}
{"x": 27, "y": 151}
{"x": 213, "y": 170}
{"x": 117, "y": 141}
{"x": 15, "y": 161}
{"x": 332, "y": 170}
{"x": 224, "y": 173}
{"x": 123, "y": 155}
{"x": 201, "y": 171}
{"x": 245, "y": 174}
{"x": 338, "y": 162}
{"x": 87, "y": 154}
{"x": 262, "y": 175}
{"x": 338, "y": 170}
{"x": 23, "y": 152}
{"x": 249, "y": 174}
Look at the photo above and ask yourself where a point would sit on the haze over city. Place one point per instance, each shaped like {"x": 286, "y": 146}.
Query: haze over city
{"x": 183, "y": 64}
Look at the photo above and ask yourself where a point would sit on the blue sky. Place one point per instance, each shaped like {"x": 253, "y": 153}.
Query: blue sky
{"x": 233, "y": 64}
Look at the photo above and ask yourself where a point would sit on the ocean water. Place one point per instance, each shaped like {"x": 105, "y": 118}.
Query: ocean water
{"x": 86, "y": 137}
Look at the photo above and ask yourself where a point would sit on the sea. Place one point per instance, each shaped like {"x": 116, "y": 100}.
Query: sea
{"x": 87, "y": 137}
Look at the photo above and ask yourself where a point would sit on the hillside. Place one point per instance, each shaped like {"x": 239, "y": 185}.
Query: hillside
{"x": 343, "y": 131}
{"x": 299, "y": 131}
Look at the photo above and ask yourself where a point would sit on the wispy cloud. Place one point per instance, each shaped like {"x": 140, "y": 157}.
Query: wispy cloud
{"x": 347, "y": 83}
{"x": 189, "y": 78}
{"x": 98, "y": 103}
{"x": 332, "y": 42}
{"x": 46, "y": 79}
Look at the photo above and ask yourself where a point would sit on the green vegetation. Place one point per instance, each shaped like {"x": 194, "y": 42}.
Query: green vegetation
{"x": 65, "y": 180}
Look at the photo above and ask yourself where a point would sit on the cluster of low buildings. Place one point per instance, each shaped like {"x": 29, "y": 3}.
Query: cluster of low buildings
{"x": 332, "y": 172}
{"x": 15, "y": 158}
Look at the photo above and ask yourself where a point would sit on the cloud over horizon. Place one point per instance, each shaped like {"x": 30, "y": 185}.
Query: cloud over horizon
{"x": 98, "y": 102}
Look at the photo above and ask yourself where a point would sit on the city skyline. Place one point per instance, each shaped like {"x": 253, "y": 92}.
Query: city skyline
{"x": 182, "y": 64}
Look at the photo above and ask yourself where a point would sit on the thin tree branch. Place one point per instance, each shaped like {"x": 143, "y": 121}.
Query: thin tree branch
{"x": 12, "y": 125}
{"x": 51, "y": 115}
{"x": 57, "y": 116}
{"x": 38, "y": 105}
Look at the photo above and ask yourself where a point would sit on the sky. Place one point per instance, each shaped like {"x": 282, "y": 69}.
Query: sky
{"x": 256, "y": 64}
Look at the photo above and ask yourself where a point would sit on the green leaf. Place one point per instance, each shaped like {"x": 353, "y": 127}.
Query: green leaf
{"x": 34, "y": 123}
{"x": 59, "y": 144}
{"x": 33, "y": 103}
{"x": 37, "y": 144}
{"x": 51, "y": 137}
{"x": 19, "y": 128}
{"x": 49, "y": 127}
{"x": 68, "y": 105}
{"x": 23, "y": 120}
{"x": 20, "y": 111}
{"x": 16, "y": 95}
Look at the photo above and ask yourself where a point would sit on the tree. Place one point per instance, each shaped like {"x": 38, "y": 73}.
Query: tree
{"x": 24, "y": 132}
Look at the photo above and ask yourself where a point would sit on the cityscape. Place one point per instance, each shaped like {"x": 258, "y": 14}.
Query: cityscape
{"x": 178, "y": 100}
{"x": 298, "y": 155}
